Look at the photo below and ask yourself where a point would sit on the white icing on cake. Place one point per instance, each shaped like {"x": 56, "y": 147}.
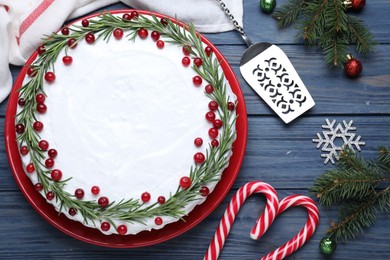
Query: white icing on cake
{"x": 124, "y": 116}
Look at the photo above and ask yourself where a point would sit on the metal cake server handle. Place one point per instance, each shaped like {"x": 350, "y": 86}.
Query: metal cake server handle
{"x": 268, "y": 70}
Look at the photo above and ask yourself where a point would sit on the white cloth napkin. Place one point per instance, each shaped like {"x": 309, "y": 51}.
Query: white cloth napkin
{"x": 24, "y": 22}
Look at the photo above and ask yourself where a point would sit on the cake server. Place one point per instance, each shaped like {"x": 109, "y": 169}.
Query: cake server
{"x": 268, "y": 70}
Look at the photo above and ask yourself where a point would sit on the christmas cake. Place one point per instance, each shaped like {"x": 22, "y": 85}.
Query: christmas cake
{"x": 125, "y": 122}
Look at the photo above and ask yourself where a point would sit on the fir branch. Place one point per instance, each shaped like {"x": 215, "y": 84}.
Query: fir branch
{"x": 334, "y": 48}
{"x": 360, "y": 35}
{"x": 325, "y": 24}
{"x": 314, "y": 24}
{"x": 289, "y": 12}
{"x": 353, "y": 218}
{"x": 359, "y": 188}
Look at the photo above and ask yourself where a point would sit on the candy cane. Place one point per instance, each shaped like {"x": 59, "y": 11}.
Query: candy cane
{"x": 306, "y": 232}
{"x": 235, "y": 204}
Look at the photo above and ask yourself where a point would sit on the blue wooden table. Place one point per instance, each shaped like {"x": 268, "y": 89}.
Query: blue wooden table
{"x": 282, "y": 155}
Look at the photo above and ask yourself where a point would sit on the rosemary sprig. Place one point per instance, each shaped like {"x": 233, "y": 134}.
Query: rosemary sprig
{"x": 129, "y": 209}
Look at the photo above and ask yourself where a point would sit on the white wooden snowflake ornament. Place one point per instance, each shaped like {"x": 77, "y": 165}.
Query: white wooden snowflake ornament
{"x": 332, "y": 135}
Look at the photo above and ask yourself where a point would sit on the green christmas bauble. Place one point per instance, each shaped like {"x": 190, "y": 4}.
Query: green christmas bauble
{"x": 267, "y": 5}
{"x": 327, "y": 245}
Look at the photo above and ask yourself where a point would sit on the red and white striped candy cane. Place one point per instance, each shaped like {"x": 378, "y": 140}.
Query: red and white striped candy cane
{"x": 235, "y": 204}
{"x": 306, "y": 232}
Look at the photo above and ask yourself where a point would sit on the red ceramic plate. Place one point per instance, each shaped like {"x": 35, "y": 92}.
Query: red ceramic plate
{"x": 145, "y": 238}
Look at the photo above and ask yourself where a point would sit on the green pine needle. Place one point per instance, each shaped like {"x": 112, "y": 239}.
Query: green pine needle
{"x": 289, "y": 12}
{"x": 360, "y": 188}
{"x": 327, "y": 25}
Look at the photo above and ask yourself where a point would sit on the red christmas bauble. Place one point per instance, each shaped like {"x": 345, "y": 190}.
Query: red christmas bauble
{"x": 353, "y": 68}
{"x": 357, "y": 5}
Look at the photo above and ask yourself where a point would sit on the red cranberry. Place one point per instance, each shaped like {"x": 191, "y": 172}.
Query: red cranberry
{"x": 50, "y": 76}
{"x": 199, "y": 157}
{"x": 31, "y": 72}
{"x": 161, "y": 199}
{"x": 49, "y": 163}
{"x": 52, "y": 153}
{"x": 105, "y": 226}
{"x": 160, "y": 44}
{"x": 198, "y": 62}
{"x": 56, "y": 175}
{"x": 158, "y": 221}
{"x": 213, "y": 105}
{"x": 41, "y": 108}
{"x": 85, "y": 23}
{"x": 126, "y": 17}
{"x": 209, "y": 89}
{"x": 143, "y": 33}
{"x": 72, "y": 211}
{"x": 164, "y": 21}
{"x": 214, "y": 143}
{"x": 217, "y": 123}
{"x": 19, "y": 128}
{"x": 79, "y": 193}
{"x": 230, "y": 106}
{"x": 21, "y": 102}
{"x": 122, "y": 230}
{"x": 72, "y": 43}
{"x": 204, "y": 191}
{"x": 210, "y": 116}
{"x": 187, "y": 50}
{"x": 90, "y": 38}
{"x": 186, "y": 61}
{"x": 208, "y": 50}
{"x": 41, "y": 49}
{"x": 30, "y": 168}
{"x": 118, "y": 33}
{"x": 185, "y": 182}
{"x": 50, "y": 195}
{"x": 155, "y": 35}
{"x": 38, "y": 186}
{"x": 24, "y": 150}
{"x": 95, "y": 190}
{"x": 40, "y": 98}
{"x": 65, "y": 31}
{"x": 44, "y": 145}
{"x": 145, "y": 197}
{"x": 134, "y": 15}
{"x": 213, "y": 132}
{"x": 103, "y": 202}
{"x": 67, "y": 60}
{"x": 197, "y": 80}
{"x": 198, "y": 141}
